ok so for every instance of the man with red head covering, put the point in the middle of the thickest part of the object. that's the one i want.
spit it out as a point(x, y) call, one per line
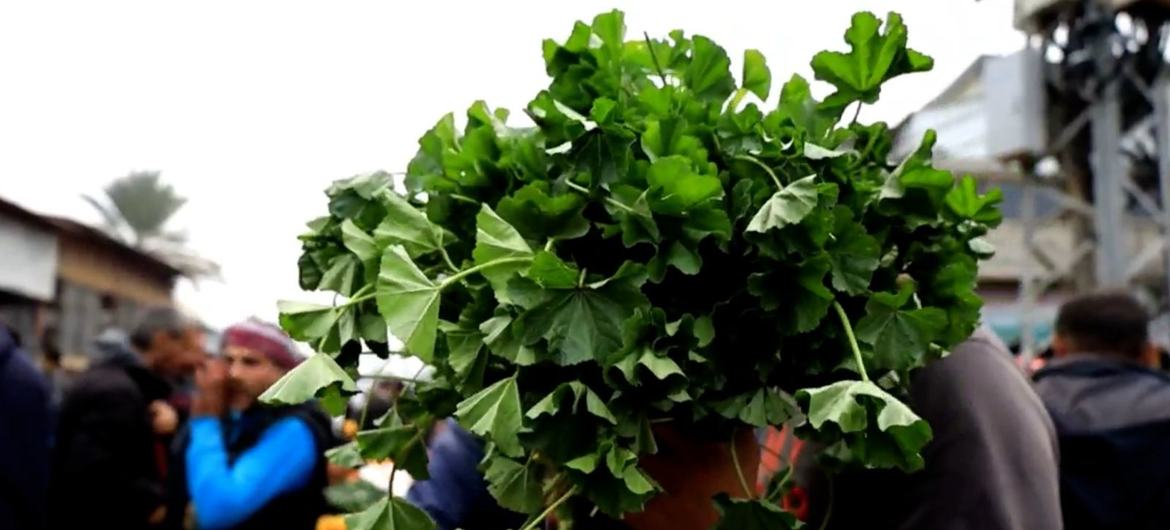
point(250, 465)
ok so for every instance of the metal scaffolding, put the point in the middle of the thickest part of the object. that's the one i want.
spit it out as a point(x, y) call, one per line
point(1107, 92)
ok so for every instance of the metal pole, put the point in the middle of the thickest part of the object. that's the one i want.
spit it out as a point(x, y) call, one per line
point(1108, 192)
point(1028, 274)
point(1161, 101)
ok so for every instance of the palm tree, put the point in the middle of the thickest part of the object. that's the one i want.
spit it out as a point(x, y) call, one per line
point(141, 204)
point(136, 208)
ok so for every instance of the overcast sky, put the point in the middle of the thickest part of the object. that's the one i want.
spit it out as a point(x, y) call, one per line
point(250, 108)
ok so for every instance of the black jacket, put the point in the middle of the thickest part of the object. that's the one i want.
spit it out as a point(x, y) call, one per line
point(24, 438)
point(991, 464)
point(106, 471)
point(1113, 420)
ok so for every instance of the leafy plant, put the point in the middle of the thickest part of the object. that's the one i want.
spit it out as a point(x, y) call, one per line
point(653, 251)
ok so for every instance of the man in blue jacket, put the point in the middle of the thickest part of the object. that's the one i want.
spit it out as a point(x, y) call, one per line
point(24, 438)
point(248, 465)
point(456, 494)
point(1111, 409)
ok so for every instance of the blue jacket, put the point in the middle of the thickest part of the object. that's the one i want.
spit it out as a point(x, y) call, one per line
point(456, 495)
point(24, 438)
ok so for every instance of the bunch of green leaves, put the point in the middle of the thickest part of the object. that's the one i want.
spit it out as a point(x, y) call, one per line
point(666, 248)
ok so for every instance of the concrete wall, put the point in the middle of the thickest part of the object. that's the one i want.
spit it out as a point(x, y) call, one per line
point(28, 259)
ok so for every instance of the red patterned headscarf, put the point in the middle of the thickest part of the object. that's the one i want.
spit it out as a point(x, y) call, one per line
point(265, 338)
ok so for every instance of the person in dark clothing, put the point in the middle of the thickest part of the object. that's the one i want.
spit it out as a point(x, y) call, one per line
point(991, 464)
point(456, 494)
point(1111, 408)
point(247, 465)
point(24, 438)
point(109, 461)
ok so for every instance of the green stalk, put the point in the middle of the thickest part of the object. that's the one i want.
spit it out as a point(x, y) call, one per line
point(738, 97)
point(852, 340)
point(609, 200)
point(756, 161)
point(739, 470)
point(454, 278)
point(543, 515)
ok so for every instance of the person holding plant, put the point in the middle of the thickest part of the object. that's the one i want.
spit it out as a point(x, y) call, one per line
point(247, 465)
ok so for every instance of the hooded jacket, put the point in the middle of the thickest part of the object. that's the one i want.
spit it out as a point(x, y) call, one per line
point(1113, 421)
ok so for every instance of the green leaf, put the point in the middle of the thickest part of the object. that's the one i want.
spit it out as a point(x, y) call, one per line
point(407, 226)
point(763, 408)
point(495, 239)
point(752, 514)
point(966, 202)
point(756, 76)
point(467, 356)
point(342, 275)
point(799, 108)
point(632, 210)
point(847, 409)
point(409, 301)
point(899, 337)
point(709, 74)
point(585, 323)
point(873, 59)
point(345, 456)
point(516, 487)
point(537, 215)
point(306, 322)
point(359, 242)
point(660, 367)
point(390, 513)
point(786, 207)
point(549, 272)
point(402, 444)
point(500, 339)
point(585, 463)
point(570, 397)
point(308, 380)
point(494, 413)
point(675, 188)
point(668, 137)
point(854, 255)
point(815, 152)
point(798, 293)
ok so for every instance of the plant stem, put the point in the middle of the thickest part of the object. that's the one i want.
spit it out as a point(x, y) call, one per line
point(609, 200)
point(446, 257)
point(390, 486)
point(358, 299)
point(738, 97)
point(739, 470)
point(462, 198)
point(756, 161)
point(852, 340)
point(543, 515)
point(654, 58)
point(856, 113)
point(454, 278)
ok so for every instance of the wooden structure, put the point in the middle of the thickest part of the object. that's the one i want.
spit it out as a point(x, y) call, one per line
point(55, 271)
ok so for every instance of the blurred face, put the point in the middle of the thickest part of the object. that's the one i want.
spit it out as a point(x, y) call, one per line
point(178, 354)
point(250, 373)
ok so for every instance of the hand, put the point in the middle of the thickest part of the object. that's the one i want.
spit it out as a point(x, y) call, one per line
point(158, 515)
point(163, 418)
point(211, 383)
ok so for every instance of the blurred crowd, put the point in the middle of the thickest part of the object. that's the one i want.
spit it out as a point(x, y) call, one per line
point(160, 434)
